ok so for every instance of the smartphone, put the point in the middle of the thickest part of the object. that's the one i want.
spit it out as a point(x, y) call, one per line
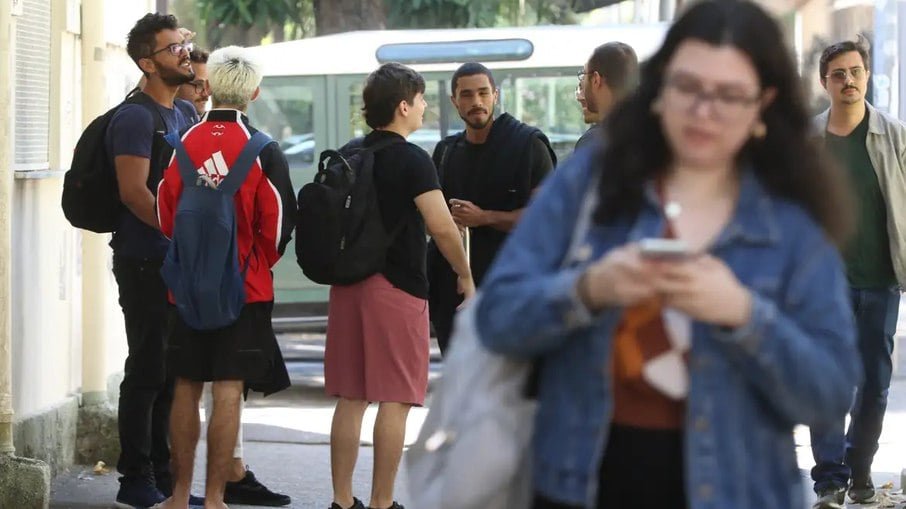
point(663, 249)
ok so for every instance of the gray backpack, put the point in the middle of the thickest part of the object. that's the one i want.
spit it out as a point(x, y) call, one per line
point(474, 448)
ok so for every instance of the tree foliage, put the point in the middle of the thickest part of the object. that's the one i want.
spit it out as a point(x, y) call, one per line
point(249, 21)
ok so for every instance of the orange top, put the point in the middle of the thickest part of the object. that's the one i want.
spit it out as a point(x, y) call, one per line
point(640, 337)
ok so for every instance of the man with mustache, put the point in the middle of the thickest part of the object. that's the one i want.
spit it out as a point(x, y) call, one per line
point(487, 173)
point(870, 146)
point(198, 90)
point(135, 143)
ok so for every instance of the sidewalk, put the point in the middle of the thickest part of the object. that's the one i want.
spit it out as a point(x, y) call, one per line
point(286, 445)
point(287, 448)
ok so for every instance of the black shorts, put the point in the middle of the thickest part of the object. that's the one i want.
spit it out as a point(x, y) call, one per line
point(246, 350)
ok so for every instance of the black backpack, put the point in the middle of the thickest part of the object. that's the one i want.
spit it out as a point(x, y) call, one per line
point(91, 198)
point(340, 235)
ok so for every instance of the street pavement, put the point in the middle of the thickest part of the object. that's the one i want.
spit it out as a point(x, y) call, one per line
point(286, 445)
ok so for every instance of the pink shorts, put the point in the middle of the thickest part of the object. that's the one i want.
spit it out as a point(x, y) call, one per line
point(377, 343)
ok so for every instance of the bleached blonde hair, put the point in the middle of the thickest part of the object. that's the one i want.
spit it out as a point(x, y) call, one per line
point(234, 75)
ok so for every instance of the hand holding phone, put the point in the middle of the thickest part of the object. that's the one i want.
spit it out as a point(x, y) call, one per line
point(657, 249)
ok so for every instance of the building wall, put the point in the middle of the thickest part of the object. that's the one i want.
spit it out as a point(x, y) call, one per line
point(47, 291)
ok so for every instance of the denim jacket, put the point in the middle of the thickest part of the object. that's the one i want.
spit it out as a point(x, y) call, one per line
point(795, 362)
point(886, 144)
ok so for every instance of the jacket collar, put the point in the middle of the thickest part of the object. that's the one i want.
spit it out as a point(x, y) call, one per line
point(753, 221)
point(875, 120)
point(224, 115)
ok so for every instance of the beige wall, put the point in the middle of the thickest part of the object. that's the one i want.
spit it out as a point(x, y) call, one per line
point(46, 250)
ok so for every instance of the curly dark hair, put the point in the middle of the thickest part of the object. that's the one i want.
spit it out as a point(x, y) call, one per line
point(199, 56)
point(385, 88)
point(142, 38)
point(789, 161)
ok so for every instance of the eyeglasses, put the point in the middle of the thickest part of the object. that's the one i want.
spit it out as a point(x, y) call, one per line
point(201, 86)
point(840, 75)
point(581, 75)
point(175, 49)
point(686, 94)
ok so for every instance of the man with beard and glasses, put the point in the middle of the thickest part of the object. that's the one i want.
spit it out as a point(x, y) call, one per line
point(487, 173)
point(136, 145)
point(609, 75)
point(198, 90)
point(869, 145)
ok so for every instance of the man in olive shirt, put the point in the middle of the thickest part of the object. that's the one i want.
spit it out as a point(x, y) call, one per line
point(867, 144)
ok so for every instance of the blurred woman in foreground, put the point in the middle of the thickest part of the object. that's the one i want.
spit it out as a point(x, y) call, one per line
point(673, 370)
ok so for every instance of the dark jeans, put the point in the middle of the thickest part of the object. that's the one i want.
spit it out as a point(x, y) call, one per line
point(839, 457)
point(146, 392)
point(641, 469)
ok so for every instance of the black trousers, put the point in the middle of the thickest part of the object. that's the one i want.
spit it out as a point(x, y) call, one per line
point(641, 469)
point(146, 393)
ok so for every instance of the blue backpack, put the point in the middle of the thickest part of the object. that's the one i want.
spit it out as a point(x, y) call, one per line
point(202, 264)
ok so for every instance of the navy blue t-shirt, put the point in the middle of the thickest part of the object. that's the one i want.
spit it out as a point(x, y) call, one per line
point(131, 132)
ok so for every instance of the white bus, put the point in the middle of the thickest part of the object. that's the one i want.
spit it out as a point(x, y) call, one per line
point(311, 97)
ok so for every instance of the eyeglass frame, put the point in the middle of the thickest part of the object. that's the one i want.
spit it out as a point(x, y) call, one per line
point(711, 97)
point(851, 72)
point(186, 46)
point(201, 85)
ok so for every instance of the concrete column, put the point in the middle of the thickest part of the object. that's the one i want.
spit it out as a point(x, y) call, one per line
point(6, 196)
point(95, 253)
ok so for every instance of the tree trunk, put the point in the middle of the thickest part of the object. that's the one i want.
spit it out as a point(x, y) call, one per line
point(334, 16)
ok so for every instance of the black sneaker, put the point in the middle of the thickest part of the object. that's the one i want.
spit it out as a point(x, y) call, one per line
point(137, 493)
point(248, 491)
point(357, 504)
point(831, 498)
point(394, 506)
point(164, 482)
point(862, 490)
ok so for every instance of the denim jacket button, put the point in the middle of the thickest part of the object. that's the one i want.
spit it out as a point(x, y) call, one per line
point(705, 491)
point(571, 319)
point(701, 424)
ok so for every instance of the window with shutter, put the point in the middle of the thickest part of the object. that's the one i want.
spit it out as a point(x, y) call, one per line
point(32, 86)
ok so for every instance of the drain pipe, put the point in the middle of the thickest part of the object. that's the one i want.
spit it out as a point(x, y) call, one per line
point(6, 195)
point(95, 252)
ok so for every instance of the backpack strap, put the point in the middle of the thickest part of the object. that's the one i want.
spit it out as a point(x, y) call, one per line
point(243, 164)
point(136, 96)
point(184, 162)
point(368, 177)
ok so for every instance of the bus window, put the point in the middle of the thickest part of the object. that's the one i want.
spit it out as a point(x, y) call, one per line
point(548, 103)
point(288, 111)
point(426, 137)
point(285, 110)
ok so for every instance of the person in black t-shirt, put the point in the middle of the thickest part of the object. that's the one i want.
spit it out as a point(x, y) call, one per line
point(377, 329)
point(136, 147)
point(488, 173)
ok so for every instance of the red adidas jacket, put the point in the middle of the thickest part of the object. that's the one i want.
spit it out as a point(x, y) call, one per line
point(265, 204)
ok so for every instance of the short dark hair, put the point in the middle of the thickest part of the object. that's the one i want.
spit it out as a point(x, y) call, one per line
point(470, 69)
point(618, 64)
point(385, 88)
point(199, 56)
point(835, 50)
point(142, 38)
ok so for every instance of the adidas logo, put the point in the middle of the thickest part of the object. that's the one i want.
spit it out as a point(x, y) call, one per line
point(214, 169)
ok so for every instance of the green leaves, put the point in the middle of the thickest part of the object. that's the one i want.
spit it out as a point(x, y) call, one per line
point(245, 13)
